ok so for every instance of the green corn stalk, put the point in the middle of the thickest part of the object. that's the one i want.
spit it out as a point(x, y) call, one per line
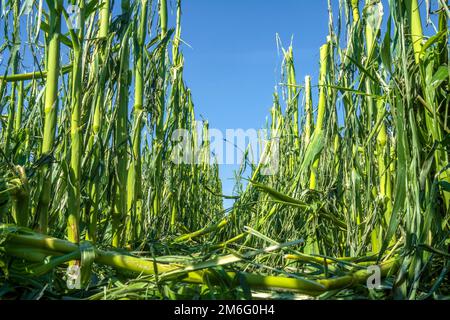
point(51, 108)
point(382, 147)
point(158, 142)
point(309, 122)
point(176, 101)
point(163, 17)
point(121, 138)
point(412, 9)
point(15, 65)
point(32, 75)
point(94, 141)
point(177, 38)
point(321, 109)
point(20, 106)
point(292, 93)
point(134, 199)
point(74, 185)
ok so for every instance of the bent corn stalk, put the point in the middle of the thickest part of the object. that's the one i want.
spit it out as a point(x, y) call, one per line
point(32, 242)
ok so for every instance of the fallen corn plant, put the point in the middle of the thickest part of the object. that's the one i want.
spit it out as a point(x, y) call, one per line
point(90, 101)
point(48, 253)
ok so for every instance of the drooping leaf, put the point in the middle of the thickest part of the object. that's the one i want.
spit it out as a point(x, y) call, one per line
point(386, 57)
point(314, 148)
point(439, 76)
point(278, 196)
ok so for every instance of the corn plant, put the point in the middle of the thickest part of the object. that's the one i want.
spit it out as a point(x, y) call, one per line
point(87, 116)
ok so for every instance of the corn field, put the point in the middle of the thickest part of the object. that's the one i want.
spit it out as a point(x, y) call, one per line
point(93, 207)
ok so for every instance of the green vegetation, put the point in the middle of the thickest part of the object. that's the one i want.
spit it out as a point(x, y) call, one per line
point(87, 178)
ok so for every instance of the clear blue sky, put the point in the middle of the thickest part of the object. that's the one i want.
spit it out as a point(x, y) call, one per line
point(233, 65)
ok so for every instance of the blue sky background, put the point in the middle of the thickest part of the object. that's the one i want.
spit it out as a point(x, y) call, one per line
point(234, 65)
